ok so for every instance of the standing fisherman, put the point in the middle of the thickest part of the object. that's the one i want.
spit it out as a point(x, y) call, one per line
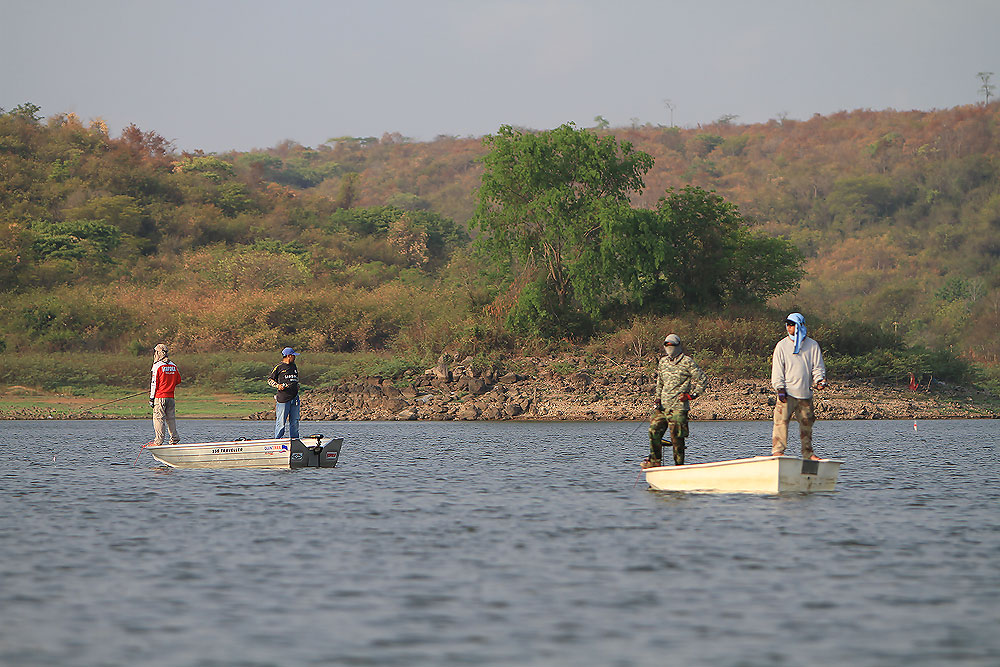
point(161, 396)
point(796, 367)
point(285, 378)
point(678, 380)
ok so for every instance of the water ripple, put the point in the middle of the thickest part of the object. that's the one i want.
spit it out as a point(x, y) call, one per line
point(511, 544)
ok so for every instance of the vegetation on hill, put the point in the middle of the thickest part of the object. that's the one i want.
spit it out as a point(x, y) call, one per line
point(555, 212)
point(363, 244)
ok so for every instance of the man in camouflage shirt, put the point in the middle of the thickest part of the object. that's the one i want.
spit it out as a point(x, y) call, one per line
point(678, 380)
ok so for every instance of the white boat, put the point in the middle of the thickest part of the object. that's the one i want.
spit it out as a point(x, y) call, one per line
point(760, 474)
point(313, 451)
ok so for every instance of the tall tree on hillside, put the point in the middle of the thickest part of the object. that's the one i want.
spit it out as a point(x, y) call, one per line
point(543, 196)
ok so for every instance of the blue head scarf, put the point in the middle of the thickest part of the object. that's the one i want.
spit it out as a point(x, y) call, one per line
point(800, 329)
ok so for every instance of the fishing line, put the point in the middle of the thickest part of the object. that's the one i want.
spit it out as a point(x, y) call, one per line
point(626, 439)
point(139, 454)
point(101, 405)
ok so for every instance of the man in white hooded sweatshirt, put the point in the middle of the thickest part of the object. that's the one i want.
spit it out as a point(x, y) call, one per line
point(796, 366)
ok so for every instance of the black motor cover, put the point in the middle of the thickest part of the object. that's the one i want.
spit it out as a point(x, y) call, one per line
point(302, 456)
point(330, 453)
point(308, 452)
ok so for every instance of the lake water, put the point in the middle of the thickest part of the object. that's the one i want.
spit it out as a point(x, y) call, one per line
point(443, 543)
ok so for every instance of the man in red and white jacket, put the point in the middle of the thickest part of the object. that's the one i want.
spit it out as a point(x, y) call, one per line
point(161, 395)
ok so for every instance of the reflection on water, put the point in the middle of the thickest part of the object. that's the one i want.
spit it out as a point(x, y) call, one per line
point(459, 543)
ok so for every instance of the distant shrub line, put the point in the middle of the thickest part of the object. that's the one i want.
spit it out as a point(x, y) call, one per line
point(735, 348)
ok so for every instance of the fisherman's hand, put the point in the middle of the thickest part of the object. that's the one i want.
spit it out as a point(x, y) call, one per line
point(782, 396)
point(658, 406)
point(150, 402)
point(821, 384)
point(684, 396)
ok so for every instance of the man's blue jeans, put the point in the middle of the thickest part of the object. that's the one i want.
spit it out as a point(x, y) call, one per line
point(288, 411)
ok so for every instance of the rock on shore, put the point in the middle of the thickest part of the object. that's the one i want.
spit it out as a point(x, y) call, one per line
point(619, 391)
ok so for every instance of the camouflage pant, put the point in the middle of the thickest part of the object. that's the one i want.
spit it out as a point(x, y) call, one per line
point(801, 410)
point(677, 421)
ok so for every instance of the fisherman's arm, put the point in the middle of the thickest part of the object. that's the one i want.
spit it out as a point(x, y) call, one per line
point(778, 372)
point(699, 381)
point(272, 379)
point(819, 369)
point(152, 385)
point(658, 404)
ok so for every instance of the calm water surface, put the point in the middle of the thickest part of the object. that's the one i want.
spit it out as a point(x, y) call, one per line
point(496, 543)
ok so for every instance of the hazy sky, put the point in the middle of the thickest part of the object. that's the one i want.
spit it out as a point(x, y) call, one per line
point(222, 74)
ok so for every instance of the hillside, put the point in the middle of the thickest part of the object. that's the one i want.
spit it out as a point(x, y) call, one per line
point(898, 213)
point(361, 243)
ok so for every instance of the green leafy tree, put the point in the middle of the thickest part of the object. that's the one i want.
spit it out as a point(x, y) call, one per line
point(27, 111)
point(75, 239)
point(209, 166)
point(543, 197)
point(701, 226)
point(233, 199)
point(763, 267)
point(693, 251)
point(441, 236)
point(703, 144)
point(120, 211)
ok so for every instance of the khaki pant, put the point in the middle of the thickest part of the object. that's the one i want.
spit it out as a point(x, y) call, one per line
point(801, 410)
point(164, 418)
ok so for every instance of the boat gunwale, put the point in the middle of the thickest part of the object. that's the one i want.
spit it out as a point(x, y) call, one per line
point(728, 462)
point(225, 443)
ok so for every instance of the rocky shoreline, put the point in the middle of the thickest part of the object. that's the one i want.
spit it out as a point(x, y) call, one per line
point(550, 389)
point(621, 392)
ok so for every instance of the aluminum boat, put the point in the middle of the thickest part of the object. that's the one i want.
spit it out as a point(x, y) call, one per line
point(313, 451)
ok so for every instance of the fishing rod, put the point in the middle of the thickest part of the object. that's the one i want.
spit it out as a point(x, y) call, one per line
point(629, 437)
point(94, 407)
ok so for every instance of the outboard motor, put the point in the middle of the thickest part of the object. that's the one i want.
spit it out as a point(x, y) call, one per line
point(310, 452)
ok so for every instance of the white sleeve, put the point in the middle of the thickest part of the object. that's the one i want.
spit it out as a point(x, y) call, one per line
point(777, 368)
point(819, 368)
point(152, 383)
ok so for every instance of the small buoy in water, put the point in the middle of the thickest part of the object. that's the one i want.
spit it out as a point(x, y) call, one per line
point(53, 457)
point(914, 426)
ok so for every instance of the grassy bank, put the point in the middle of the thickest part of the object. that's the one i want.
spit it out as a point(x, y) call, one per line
point(215, 385)
point(29, 403)
point(101, 374)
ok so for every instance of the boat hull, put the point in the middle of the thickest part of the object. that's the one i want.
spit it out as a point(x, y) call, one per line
point(313, 451)
point(761, 474)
